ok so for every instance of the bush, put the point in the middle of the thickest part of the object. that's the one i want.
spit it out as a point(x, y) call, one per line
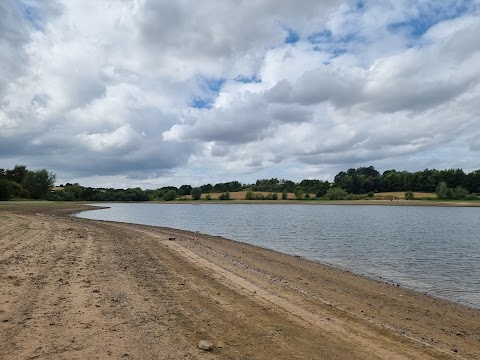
point(409, 195)
point(459, 193)
point(224, 196)
point(196, 193)
point(274, 196)
point(208, 197)
point(170, 195)
point(336, 193)
point(471, 197)
point(284, 195)
point(355, 197)
point(259, 196)
point(249, 195)
point(371, 194)
point(442, 190)
point(299, 194)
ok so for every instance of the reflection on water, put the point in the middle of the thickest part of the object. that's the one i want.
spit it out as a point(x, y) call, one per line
point(430, 249)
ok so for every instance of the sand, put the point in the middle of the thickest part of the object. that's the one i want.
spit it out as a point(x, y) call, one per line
point(82, 289)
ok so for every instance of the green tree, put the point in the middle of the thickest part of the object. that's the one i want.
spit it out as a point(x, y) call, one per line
point(38, 183)
point(336, 193)
point(4, 189)
point(196, 193)
point(170, 195)
point(17, 174)
point(442, 190)
point(299, 194)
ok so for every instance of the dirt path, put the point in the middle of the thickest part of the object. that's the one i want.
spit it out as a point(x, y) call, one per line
point(79, 289)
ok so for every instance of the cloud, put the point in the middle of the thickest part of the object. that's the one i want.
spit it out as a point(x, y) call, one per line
point(148, 92)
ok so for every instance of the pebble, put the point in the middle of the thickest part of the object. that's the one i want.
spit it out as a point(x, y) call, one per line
point(205, 345)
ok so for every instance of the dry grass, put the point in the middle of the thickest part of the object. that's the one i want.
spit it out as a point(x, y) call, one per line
point(401, 195)
point(240, 195)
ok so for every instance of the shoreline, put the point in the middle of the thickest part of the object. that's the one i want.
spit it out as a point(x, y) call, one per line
point(313, 309)
point(376, 278)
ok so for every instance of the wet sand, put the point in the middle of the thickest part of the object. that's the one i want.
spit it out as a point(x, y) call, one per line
point(82, 289)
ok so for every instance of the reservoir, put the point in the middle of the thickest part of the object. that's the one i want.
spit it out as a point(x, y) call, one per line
point(435, 250)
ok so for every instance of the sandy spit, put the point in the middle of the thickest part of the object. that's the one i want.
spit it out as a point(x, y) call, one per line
point(79, 289)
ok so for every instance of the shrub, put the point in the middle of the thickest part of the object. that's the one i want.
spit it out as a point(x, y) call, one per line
point(170, 195)
point(249, 195)
point(196, 193)
point(259, 196)
point(409, 195)
point(336, 193)
point(208, 197)
point(274, 196)
point(224, 196)
point(371, 194)
point(442, 190)
point(355, 197)
point(459, 193)
point(284, 195)
point(471, 197)
point(299, 194)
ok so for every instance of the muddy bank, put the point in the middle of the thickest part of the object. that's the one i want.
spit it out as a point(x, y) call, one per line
point(74, 288)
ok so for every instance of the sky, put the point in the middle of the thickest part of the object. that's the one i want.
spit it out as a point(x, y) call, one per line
point(151, 93)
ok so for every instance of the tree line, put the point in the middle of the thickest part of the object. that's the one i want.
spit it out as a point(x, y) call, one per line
point(20, 182)
point(351, 184)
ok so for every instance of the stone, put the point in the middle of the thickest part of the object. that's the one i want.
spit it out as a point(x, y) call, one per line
point(205, 345)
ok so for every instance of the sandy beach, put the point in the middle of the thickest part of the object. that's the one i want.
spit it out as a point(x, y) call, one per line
point(82, 289)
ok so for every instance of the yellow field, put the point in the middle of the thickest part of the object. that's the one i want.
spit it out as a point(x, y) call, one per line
point(401, 195)
point(240, 195)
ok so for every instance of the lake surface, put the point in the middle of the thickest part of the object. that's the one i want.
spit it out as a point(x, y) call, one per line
point(430, 249)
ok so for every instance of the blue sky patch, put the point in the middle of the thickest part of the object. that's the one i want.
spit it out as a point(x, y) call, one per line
point(199, 103)
point(292, 37)
point(209, 88)
point(431, 15)
point(30, 15)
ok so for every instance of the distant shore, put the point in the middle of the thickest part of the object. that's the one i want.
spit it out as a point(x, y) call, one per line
point(95, 289)
point(452, 203)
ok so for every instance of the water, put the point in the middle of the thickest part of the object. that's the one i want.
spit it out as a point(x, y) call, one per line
point(430, 249)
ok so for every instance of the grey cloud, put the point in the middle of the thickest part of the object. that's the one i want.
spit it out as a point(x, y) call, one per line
point(475, 143)
point(244, 122)
point(14, 35)
point(286, 113)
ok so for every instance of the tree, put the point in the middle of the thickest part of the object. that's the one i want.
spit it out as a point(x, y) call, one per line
point(17, 174)
point(170, 195)
point(38, 183)
point(442, 190)
point(187, 189)
point(196, 193)
point(336, 193)
point(284, 195)
point(4, 189)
